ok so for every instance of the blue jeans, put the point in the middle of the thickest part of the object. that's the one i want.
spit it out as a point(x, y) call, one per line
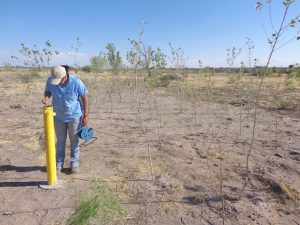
point(61, 129)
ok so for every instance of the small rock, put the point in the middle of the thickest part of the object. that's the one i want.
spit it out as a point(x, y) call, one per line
point(18, 106)
point(7, 213)
point(279, 155)
point(250, 196)
point(202, 156)
point(294, 152)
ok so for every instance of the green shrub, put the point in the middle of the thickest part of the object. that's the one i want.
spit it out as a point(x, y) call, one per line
point(293, 71)
point(293, 76)
point(289, 83)
point(157, 80)
point(287, 105)
point(166, 79)
point(86, 69)
point(98, 203)
point(98, 63)
point(152, 81)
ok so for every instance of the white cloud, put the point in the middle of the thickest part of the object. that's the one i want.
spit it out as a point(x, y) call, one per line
point(69, 58)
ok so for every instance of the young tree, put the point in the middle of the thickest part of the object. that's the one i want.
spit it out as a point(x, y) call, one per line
point(275, 44)
point(35, 57)
point(114, 58)
point(98, 63)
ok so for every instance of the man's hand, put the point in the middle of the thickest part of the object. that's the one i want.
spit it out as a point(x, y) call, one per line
point(45, 100)
point(85, 121)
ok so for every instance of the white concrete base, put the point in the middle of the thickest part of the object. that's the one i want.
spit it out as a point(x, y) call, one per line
point(46, 186)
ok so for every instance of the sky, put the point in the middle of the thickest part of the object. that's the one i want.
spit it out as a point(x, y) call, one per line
point(204, 29)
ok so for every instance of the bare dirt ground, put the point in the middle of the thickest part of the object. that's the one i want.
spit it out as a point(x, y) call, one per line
point(190, 146)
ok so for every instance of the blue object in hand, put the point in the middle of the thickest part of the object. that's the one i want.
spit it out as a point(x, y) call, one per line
point(85, 133)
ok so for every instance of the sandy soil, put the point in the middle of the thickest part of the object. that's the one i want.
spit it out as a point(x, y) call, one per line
point(190, 147)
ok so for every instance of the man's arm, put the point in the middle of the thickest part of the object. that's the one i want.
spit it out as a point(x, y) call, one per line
point(47, 96)
point(85, 102)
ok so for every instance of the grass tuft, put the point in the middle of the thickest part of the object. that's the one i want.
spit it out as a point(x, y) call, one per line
point(85, 211)
point(99, 203)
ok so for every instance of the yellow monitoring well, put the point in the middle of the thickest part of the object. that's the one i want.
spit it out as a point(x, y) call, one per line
point(50, 144)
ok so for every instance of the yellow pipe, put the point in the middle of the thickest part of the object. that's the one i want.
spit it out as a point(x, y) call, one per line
point(50, 144)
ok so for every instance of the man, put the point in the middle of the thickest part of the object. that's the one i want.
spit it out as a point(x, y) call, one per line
point(70, 103)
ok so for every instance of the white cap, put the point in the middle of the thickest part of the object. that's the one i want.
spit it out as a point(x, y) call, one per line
point(57, 74)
